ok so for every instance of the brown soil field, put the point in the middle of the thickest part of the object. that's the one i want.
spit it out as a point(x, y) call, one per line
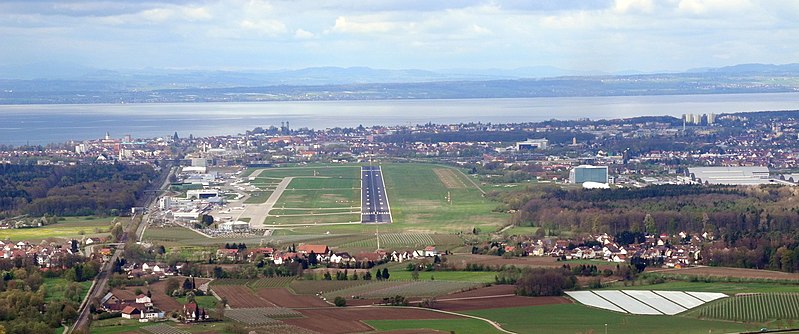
point(481, 303)
point(348, 320)
point(730, 272)
point(241, 297)
point(283, 297)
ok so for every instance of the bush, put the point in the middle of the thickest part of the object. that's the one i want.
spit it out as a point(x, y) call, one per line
point(340, 301)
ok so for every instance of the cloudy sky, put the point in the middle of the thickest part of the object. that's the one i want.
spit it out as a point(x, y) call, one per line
point(594, 35)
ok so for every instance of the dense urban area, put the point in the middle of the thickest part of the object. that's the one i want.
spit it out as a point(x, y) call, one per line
point(577, 226)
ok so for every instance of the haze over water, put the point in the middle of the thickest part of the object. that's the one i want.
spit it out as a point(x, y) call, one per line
point(43, 124)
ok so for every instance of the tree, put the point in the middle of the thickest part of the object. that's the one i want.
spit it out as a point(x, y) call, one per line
point(649, 224)
point(386, 275)
point(186, 284)
point(367, 276)
point(544, 282)
point(172, 284)
point(340, 301)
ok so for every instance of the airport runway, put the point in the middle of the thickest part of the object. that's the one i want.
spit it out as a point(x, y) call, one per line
point(374, 201)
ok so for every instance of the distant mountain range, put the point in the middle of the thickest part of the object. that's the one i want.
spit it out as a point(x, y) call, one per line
point(68, 83)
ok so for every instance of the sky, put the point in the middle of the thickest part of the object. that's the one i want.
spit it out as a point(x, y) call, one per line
point(589, 35)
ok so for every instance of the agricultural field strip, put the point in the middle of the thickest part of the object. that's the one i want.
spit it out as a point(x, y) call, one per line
point(395, 239)
point(163, 329)
point(626, 302)
point(591, 299)
point(269, 312)
point(404, 288)
point(656, 301)
point(757, 307)
point(707, 296)
point(681, 298)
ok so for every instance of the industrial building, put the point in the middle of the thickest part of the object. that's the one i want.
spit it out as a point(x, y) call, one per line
point(744, 176)
point(588, 173)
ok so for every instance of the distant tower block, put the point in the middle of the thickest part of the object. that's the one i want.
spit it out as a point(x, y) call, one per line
point(574, 140)
point(107, 136)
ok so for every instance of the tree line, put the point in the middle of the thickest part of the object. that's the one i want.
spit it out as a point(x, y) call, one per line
point(83, 189)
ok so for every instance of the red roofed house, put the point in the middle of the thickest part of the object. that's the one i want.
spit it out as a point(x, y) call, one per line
point(131, 312)
point(317, 249)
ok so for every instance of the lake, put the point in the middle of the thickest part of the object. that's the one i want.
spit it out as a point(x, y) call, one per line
point(55, 123)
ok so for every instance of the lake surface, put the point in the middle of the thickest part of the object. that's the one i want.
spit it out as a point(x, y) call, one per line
point(56, 123)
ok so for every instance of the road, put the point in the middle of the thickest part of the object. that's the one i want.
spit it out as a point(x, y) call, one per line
point(374, 201)
point(99, 287)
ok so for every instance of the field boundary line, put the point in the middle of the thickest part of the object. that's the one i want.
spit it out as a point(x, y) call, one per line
point(489, 321)
point(470, 180)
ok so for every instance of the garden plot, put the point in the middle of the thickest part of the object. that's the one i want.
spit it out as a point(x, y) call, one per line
point(262, 316)
point(163, 329)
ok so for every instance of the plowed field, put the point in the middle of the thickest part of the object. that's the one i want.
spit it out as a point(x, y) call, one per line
point(348, 320)
point(283, 297)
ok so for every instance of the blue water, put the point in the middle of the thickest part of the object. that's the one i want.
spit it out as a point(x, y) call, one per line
point(42, 124)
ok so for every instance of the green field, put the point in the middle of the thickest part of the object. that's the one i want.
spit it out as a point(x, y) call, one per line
point(751, 308)
point(463, 276)
point(56, 286)
point(728, 288)
point(459, 326)
point(418, 201)
point(69, 227)
point(575, 318)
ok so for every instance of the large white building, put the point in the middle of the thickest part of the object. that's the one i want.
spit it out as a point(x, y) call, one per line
point(530, 144)
point(588, 173)
point(732, 175)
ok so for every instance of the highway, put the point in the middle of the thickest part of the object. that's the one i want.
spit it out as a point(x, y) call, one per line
point(374, 201)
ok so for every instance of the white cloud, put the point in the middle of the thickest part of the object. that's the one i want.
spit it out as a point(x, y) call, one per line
point(362, 25)
point(303, 34)
point(627, 6)
point(264, 27)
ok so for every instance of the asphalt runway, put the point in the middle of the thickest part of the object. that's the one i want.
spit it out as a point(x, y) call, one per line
point(374, 202)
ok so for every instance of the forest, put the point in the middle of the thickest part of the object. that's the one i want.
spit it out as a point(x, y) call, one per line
point(753, 227)
point(83, 189)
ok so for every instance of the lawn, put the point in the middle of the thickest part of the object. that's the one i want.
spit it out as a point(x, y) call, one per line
point(325, 171)
point(575, 318)
point(319, 198)
point(69, 227)
point(116, 325)
point(208, 302)
point(723, 287)
point(258, 197)
point(464, 276)
point(173, 235)
point(459, 326)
